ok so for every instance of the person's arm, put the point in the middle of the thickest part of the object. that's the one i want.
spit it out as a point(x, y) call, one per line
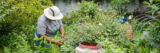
point(62, 32)
point(49, 40)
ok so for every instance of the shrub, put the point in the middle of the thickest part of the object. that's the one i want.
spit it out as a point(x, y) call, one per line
point(4, 11)
point(23, 13)
point(87, 10)
point(18, 23)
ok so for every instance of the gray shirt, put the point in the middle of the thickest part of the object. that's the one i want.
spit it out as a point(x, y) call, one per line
point(48, 27)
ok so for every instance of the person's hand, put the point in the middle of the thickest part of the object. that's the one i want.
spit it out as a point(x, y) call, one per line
point(59, 42)
point(64, 38)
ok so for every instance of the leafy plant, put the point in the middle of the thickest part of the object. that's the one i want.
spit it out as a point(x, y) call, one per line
point(86, 12)
point(18, 23)
point(88, 8)
point(89, 32)
point(154, 7)
point(146, 42)
point(119, 5)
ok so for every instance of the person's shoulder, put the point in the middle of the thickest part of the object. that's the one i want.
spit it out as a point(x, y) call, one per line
point(42, 18)
point(60, 20)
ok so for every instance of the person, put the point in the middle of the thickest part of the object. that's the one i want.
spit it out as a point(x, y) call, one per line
point(48, 25)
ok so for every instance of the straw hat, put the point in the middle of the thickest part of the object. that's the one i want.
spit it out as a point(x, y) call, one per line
point(53, 13)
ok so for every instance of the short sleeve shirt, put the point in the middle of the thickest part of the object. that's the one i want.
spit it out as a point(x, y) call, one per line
point(48, 27)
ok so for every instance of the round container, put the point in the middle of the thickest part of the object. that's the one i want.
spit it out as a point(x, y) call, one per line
point(85, 47)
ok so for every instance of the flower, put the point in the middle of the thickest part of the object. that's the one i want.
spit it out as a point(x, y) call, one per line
point(100, 24)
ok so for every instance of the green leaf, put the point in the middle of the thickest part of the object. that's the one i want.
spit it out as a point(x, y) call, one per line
point(147, 3)
point(6, 50)
point(157, 0)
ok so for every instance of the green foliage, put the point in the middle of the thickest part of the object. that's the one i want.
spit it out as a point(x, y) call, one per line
point(154, 7)
point(87, 24)
point(4, 10)
point(23, 13)
point(157, 0)
point(110, 45)
point(85, 28)
point(87, 8)
point(52, 49)
point(148, 42)
point(155, 31)
point(18, 23)
point(119, 5)
point(103, 30)
point(16, 43)
point(86, 12)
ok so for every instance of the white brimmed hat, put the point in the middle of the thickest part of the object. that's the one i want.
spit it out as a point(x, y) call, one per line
point(53, 13)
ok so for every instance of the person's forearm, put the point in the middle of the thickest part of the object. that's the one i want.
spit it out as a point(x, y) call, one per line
point(62, 30)
point(47, 38)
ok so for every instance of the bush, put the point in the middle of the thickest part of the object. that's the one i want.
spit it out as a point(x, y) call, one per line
point(4, 11)
point(86, 11)
point(148, 42)
point(18, 23)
